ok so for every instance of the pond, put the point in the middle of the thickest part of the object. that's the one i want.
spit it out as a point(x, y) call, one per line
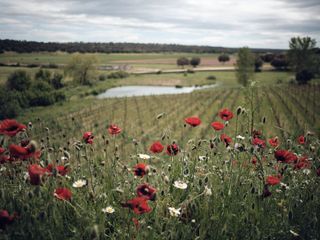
point(130, 91)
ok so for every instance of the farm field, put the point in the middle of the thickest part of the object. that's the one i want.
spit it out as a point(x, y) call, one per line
point(254, 174)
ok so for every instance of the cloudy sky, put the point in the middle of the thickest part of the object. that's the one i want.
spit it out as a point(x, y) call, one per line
point(229, 23)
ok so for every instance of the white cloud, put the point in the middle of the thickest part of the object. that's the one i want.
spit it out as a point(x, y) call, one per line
point(232, 23)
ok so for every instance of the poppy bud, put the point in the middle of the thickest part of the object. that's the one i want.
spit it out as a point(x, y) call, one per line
point(264, 120)
point(239, 110)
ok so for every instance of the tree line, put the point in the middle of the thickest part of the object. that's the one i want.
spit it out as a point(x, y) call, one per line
point(108, 47)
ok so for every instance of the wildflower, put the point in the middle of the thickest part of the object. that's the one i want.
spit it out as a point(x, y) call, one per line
point(141, 169)
point(294, 233)
point(225, 114)
point(284, 186)
point(217, 126)
point(306, 171)
point(139, 205)
point(180, 184)
point(225, 139)
point(11, 127)
point(156, 147)
point(21, 152)
point(88, 137)
point(145, 190)
point(254, 160)
point(207, 191)
point(301, 140)
point(2, 150)
point(240, 137)
point(114, 129)
point(274, 142)
point(63, 194)
point(302, 163)
point(193, 121)
point(6, 219)
point(285, 156)
point(144, 156)
point(259, 142)
point(108, 210)
point(273, 180)
point(174, 212)
point(35, 173)
point(172, 149)
point(62, 170)
point(79, 183)
point(256, 133)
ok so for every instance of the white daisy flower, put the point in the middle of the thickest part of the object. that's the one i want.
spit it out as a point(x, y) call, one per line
point(203, 158)
point(294, 233)
point(180, 184)
point(79, 183)
point(174, 212)
point(207, 191)
point(144, 156)
point(108, 210)
point(240, 137)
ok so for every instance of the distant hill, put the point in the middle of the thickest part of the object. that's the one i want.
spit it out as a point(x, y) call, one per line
point(110, 47)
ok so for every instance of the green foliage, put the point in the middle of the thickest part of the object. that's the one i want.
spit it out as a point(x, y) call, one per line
point(258, 63)
point(18, 80)
point(182, 61)
point(117, 75)
point(244, 66)
point(82, 68)
point(211, 77)
point(301, 57)
point(224, 58)
point(195, 61)
point(9, 104)
point(43, 75)
point(56, 81)
point(280, 62)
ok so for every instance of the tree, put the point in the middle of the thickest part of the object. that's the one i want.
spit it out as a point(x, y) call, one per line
point(182, 61)
point(82, 69)
point(301, 57)
point(244, 66)
point(280, 62)
point(224, 58)
point(268, 57)
point(258, 63)
point(195, 61)
point(18, 80)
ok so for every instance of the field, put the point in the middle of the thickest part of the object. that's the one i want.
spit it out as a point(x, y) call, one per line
point(210, 188)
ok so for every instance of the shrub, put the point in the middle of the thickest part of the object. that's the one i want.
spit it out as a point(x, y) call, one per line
point(102, 77)
point(56, 81)
point(18, 80)
point(304, 76)
point(118, 74)
point(211, 77)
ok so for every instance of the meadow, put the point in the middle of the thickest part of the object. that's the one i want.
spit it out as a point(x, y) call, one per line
point(249, 169)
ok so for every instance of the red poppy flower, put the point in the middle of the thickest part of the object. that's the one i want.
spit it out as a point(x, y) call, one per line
point(285, 156)
point(254, 160)
point(145, 190)
point(2, 150)
point(273, 180)
point(274, 142)
point(139, 205)
point(88, 137)
point(217, 126)
point(6, 219)
point(225, 114)
point(225, 139)
point(302, 163)
point(114, 129)
point(35, 173)
point(259, 142)
point(301, 140)
point(172, 149)
point(20, 152)
point(141, 169)
point(62, 170)
point(63, 194)
point(256, 133)
point(4, 159)
point(156, 147)
point(193, 121)
point(136, 223)
point(11, 127)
